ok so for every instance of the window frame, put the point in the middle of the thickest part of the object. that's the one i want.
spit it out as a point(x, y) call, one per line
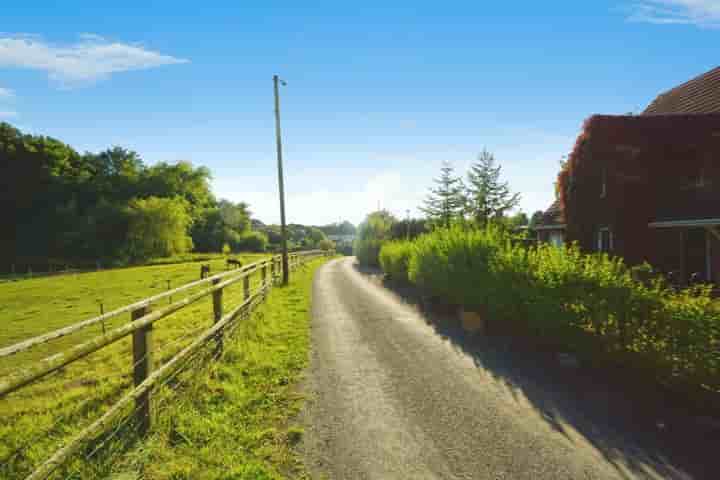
point(610, 243)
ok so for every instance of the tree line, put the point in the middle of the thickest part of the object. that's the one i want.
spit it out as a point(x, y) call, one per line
point(113, 208)
point(480, 199)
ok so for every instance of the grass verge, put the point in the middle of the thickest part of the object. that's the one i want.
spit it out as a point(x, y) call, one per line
point(233, 422)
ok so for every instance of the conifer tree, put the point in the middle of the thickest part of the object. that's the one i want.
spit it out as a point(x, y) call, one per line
point(446, 201)
point(488, 197)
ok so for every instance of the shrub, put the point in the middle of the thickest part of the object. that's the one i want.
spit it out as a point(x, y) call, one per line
point(591, 304)
point(252, 242)
point(394, 259)
point(372, 233)
point(367, 251)
point(326, 245)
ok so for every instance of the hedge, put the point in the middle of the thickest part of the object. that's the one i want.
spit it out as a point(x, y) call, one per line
point(587, 303)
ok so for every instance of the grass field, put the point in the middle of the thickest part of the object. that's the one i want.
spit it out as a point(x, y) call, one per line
point(38, 418)
point(30, 307)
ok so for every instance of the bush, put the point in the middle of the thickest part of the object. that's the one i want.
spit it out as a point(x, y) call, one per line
point(252, 242)
point(326, 245)
point(367, 250)
point(587, 303)
point(394, 259)
point(372, 233)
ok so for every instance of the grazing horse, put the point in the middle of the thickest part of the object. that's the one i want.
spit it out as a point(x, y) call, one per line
point(231, 262)
point(204, 270)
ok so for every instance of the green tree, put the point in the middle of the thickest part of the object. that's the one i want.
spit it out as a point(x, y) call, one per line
point(446, 201)
point(488, 197)
point(375, 230)
point(342, 228)
point(536, 218)
point(314, 237)
point(180, 180)
point(520, 219)
point(157, 227)
point(235, 215)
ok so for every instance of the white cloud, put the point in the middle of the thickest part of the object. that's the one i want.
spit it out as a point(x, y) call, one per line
point(7, 114)
point(6, 93)
point(91, 58)
point(703, 13)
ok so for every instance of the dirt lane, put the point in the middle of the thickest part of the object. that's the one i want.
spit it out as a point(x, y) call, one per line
point(389, 398)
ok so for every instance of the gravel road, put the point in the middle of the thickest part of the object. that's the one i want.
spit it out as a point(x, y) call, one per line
point(390, 397)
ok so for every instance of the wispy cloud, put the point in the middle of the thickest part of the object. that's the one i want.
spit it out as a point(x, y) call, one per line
point(90, 59)
point(6, 93)
point(703, 13)
point(7, 114)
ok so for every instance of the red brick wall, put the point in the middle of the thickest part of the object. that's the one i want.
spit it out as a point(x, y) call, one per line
point(644, 157)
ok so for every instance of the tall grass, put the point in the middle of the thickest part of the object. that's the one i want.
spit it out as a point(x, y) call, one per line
point(587, 303)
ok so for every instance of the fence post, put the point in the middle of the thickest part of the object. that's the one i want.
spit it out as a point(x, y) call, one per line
point(272, 270)
point(263, 274)
point(217, 316)
point(142, 367)
point(246, 286)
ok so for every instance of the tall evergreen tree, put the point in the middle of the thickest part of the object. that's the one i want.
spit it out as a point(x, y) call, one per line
point(446, 201)
point(488, 197)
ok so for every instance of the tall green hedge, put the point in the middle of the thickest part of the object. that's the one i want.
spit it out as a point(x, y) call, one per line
point(587, 303)
point(394, 259)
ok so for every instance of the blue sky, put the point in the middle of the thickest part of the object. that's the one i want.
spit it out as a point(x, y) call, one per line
point(378, 95)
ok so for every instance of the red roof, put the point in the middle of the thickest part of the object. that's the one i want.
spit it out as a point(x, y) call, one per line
point(699, 95)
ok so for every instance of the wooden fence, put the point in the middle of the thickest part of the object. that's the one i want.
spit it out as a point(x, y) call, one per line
point(145, 375)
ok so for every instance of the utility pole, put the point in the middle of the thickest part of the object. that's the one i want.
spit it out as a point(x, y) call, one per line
point(281, 182)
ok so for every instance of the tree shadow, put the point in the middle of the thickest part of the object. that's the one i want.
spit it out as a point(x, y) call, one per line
point(631, 422)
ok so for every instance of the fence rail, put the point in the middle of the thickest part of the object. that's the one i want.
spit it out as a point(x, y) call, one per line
point(62, 332)
point(143, 318)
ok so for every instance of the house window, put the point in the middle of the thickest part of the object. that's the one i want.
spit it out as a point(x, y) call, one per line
point(556, 239)
point(605, 240)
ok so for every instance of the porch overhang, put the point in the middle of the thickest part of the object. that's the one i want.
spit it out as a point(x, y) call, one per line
point(559, 226)
point(705, 222)
point(710, 224)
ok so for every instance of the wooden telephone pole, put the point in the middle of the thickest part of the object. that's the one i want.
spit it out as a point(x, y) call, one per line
point(281, 181)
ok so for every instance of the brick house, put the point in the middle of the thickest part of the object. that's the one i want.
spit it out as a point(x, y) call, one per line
point(647, 187)
point(551, 228)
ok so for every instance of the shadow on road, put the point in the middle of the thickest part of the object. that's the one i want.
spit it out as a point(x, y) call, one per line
point(630, 423)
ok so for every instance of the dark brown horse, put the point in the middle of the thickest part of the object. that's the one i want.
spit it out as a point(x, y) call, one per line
point(231, 262)
point(204, 270)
